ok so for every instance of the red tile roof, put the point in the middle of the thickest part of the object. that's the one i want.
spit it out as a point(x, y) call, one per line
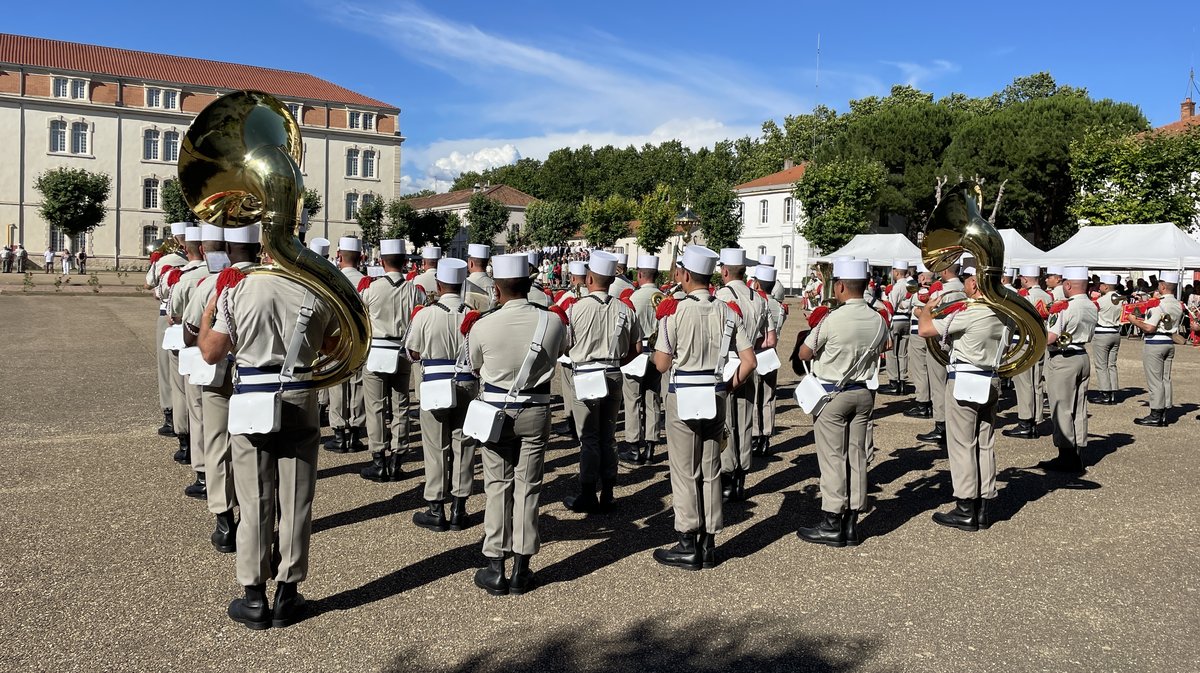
point(72, 56)
point(509, 196)
point(1181, 125)
point(785, 177)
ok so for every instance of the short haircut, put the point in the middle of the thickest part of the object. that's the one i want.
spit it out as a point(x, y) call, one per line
point(192, 247)
point(766, 285)
point(395, 261)
point(854, 285)
point(604, 282)
point(736, 270)
point(213, 246)
point(514, 286)
point(449, 288)
point(243, 252)
point(350, 256)
point(647, 273)
point(697, 278)
point(1171, 287)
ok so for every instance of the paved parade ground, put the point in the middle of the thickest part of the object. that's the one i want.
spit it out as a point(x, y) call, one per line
point(106, 566)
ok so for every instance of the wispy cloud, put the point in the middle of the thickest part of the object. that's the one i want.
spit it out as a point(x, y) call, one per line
point(919, 74)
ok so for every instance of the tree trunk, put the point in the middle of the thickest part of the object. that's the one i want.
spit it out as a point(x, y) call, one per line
point(996, 205)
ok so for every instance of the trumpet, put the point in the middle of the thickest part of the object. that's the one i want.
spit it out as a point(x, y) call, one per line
point(1063, 340)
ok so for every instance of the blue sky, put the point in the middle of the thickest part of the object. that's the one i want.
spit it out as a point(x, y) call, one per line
point(482, 83)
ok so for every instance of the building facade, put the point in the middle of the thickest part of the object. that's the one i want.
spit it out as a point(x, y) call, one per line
point(459, 202)
point(771, 215)
point(124, 113)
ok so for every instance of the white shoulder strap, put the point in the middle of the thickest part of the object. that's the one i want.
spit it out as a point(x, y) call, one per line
point(293, 351)
point(726, 341)
point(535, 347)
point(615, 342)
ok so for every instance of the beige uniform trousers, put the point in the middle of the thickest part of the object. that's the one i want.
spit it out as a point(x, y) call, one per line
point(449, 454)
point(351, 393)
point(568, 391)
point(918, 367)
point(840, 432)
point(937, 385)
point(218, 464)
point(512, 480)
point(596, 423)
point(179, 406)
point(1066, 385)
point(694, 452)
point(289, 458)
point(897, 357)
point(379, 393)
point(1105, 346)
point(764, 411)
point(1030, 393)
point(164, 364)
point(643, 405)
point(1156, 362)
point(739, 422)
point(971, 443)
point(195, 406)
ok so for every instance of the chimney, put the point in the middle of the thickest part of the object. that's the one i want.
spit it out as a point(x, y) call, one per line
point(788, 163)
point(1187, 109)
point(477, 188)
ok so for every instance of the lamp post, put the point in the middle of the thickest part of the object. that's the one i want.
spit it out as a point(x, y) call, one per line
point(686, 220)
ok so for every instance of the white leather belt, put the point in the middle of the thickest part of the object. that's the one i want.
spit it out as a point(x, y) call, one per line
point(596, 365)
point(969, 368)
point(1107, 329)
point(387, 343)
point(502, 398)
point(1159, 339)
point(258, 379)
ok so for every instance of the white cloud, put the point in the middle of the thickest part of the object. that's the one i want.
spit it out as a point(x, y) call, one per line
point(448, 167)
point(917, 74)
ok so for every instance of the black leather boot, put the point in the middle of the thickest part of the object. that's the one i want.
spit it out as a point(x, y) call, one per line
point(646, 454)
point(289, 605)
point(850, 528)
point(434, 518)
point(252, 610)
point(981, 514)
point(607, 501)
point(168, 427)
point(631, 454)
point(336, 443)
point(1022, 430)
point(522, 576)
point(936, 435)
point(323, 416)
point(198, 489)
point(1156, 419)
point(491, 579)
point(917, 410)
point(458, 514)
point(1067, 460)
point(224, 536)
point(708, 550)
point(961, 517)
point(352, 441)
point(393, 464)
point(733, 485)
point(184, 455)
point(585, 502)
point(1110, 397)
point(828, 531)
point(684, 554)
point(377, 471)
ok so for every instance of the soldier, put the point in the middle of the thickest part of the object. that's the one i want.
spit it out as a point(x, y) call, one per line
point(347, 411)
point(1028, 383)
point(155, 281)
point(844, 349)
point(735, 459)
point(390, 302)
point(1007, 278)
point(642, 390)
point(1054, 283)
point(436, 339)
point(696, 336)
point(538, 294)
point(478, 282)
point(212, 239)
point(918, 353)
point(766, 384)
point(514, 348)
point(427, 279)
point(242, 246)
point(1069, 328)
point(975, 334)
point(621, 281)
point(948, 290)
point(179, 402)
point(603, 335)
point(1106, 342)
point(321, 247)
point(777, 290)
point(900, 299)
point(1159, 329)
point(578, 290)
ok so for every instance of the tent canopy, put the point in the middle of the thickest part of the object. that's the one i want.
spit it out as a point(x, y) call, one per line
point(880, 249)
point(1016, 247)
point(1124, 246)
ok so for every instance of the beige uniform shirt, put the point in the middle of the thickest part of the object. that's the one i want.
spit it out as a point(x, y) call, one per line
point(262, 313)
point(537, 295)
point(352, 274)
point(692, 335)
point(752, 305)
point(427, 281)
point(593, 321)
point(1058, 293)
point(847, 343)
point(154, 276)
point(778, 292)
point(619, 285)
point(390, 302)
point(1168, 305)
point(499, 342)
point(775, 314)
point(480, 282)
point(643, 306)
point(182, 291)
point(901, 301)
point(435, 333)
point(1037, 294)
point(1111, 304)
point(575, 293)
point(1078, 319)
point(974, 335)
point(193, 313)
point(952, 290)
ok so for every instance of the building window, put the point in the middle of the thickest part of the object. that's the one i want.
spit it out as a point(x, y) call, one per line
point(366, 200)
point(762, 250)
point(171, 146)
point(153, 97)
point(351, 206)
point(788, 215)
point(787, 256)
point(351, 163)
point(368, 163)
point(149, 234)
point(170, 100)
point(355, 120)
point(368, 121)
point(362, 120)
point(79, 138)
point(165, 99)
point(79, 89)
point(150, 145)
point(58, 136)
point(762, 211)
point(294, 109)
point(150, 194)
point(75, 89)
point(60, 87)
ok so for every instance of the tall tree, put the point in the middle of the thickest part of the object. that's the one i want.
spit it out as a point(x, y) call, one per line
point(399, 217)
point(550, 222)
point(656, 216)
point(370, 221)
point(73, 199)
point(486, 217)
point(312, 202)
point(605, 221)
point(840, 198)
point(175, 208)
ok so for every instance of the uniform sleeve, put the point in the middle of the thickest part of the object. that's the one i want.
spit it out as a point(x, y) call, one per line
point(475, 350)
point(741, 339)
point(178, 299)
point(1154, 316)
point(1068, 322)
point(225, 300)
point(663, 344)
point(416, 341)
point(194, 310)
point(942, 324)
point(816, 340)
point(633, 331)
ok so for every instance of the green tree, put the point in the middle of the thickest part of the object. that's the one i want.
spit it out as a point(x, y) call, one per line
point(73, 199)
point(418, 194)
point(451, 226)
point(550, 222)
point(370, 221)
point(605, 221)
point(1125, 179)
point(430, 227)
point(656, 215)
point(840, 198)
point(487, 217)
point(312, 203)
point(175, 208)
point(399, 217)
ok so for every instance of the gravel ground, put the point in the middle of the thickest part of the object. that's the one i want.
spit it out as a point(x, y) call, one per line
point(107, 567)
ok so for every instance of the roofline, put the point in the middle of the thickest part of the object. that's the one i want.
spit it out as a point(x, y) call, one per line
point(783, 186)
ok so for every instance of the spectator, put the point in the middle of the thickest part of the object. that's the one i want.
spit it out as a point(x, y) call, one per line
point(22, 258)
point(82, 257)
point(66, 257)
point(48, 258)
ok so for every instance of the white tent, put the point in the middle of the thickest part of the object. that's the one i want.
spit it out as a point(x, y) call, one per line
point(880, 249)
point(1124, 246)
point(1016, 247)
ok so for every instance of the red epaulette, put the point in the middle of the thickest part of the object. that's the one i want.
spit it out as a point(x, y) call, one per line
point(562, 314)
point(735, 308)
point(173, 276)
point(229, 277)
point(936, 286)
point(468, 321)
point(154, 257)
point(666, 307)
point(365, 282)
point(568, 303)
point(785, 308)
point(626, 293)
point(415, 311)
point(627, 301)
point(411, 274)
point(558, 295)
point(954, 308)
point(1040, 306)
point(761, 293)
point(1059, 306)
point(548, 294)
point(664, 287)
point(1024, 292)
point(818, 314)
point(712, 290)
point(888, 289)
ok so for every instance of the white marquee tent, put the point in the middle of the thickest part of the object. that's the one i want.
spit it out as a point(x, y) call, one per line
point(880, 249)
point(1016, 247)
point(1124, 246)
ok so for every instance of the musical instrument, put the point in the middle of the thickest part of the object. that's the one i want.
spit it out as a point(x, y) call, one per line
point(1138, 309)
point(825, 271)
point(912, 286)
point(164, 246)
point(240, 164)
point(956, 227)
